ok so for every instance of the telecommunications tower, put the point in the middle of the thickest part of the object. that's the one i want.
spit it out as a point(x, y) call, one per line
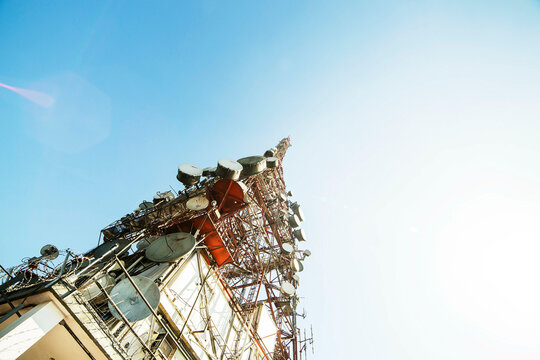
point(210, 272)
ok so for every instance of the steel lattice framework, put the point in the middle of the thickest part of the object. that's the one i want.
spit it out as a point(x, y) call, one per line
point(255, 235)
point(242, 236)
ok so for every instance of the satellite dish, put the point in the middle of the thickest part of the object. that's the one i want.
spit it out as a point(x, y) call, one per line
point(294, 221)
point(299, 234)
point(92, 291)
point(272, 162)
point(307, 253)
point(287, 288)
point(252, 165)
point(197, 203)
point(49, 252)
point(287, 248)
point(209, 171)
point(170, 247)
point(145, 205)
point(189, 174)
point(130, 303)
point(269, 153)
point(296, 265)
point(295, 207)
point(164, 196)
point(144, 243)
point(282, 196)
point(228, 169)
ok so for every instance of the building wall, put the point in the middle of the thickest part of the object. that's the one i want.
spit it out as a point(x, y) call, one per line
point(57, 344)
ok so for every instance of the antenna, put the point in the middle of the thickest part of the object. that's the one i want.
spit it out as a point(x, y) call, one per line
point(252, 165)
point(272, 162)
point(287, 288)
point(170, 247)
point(130, 303)
point(306, 341)
point(197, 203)
point(299, 234)
point(270, 153)
point(311, 341)
point(295, 207)
point(287, 248)
point(49, 252)
point(145, 242)
point(92, 290)
point(228, 169)
point(303, 314)
point(296, 265)
point(294, 221)
point(209, 172)
point(189, 174)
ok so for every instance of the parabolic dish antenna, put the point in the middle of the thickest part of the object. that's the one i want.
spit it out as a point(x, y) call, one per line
point(189, 174)
point(49, 252)
point(272, 162)
point(294, 221)
point(144, 243)
point(252, 165)
point(296, 265)
point(163, 196)
point(92, 291)
point(300, 234)
point(170, 247)
point(130, 303)
point(287, 248)
point(145, 205)
point(287, 288)
point(209, 171)
point(282, 196)
point(228, 169)
point(197, 203)
point(295, 207)
point(269, 153)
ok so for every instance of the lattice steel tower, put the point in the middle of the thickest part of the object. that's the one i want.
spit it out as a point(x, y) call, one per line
point(208, 273)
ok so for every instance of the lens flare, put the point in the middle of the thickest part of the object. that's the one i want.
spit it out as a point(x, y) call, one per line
point(36, 97)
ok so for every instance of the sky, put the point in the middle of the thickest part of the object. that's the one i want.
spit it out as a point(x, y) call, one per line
point(414, 129)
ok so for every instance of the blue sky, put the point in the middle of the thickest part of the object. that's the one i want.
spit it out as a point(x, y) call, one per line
point(415, 148)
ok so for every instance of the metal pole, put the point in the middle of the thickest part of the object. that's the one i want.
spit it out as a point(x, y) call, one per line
point(195, 302)
point(11, 277)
